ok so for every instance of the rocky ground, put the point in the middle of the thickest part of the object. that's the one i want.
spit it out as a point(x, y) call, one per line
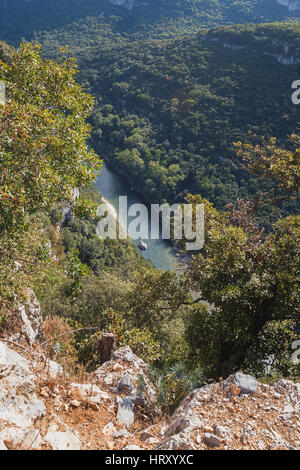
point(41, 408)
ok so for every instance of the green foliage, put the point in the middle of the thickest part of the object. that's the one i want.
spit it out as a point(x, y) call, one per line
point(158, 18)
point(279, 165)
point(251, 283)
point(168, 112)
point(171, 110)
point(43, 150)
point(6, 52)
point(75, 271)
point(173, 384)
point(271, 354)
point(3, 320)
point(113, 302)
point(80, 234)
point(43, 157)
point(141, 342)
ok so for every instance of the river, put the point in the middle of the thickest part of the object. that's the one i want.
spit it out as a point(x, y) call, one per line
point(111, 186)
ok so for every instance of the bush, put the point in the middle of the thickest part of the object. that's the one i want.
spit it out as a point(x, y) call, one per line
point(173, 384)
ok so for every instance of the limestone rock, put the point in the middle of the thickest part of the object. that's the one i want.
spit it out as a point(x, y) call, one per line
point(32, 440)
point(247, 433)
point(132, 447)
point(125, 363)
point(109, 429)
point(31, 317)
point(54, 369)
point(125, 384)
point(125, 354)
point(12, 436)
point(145, 435)
point(125, 413)
point(182, 424)
point(246, 383)
point(19, 404)
point(120, 434)
point(222, 431)
point(212, 440)
point(177, 442)
point(2, 445)
point(62, 440)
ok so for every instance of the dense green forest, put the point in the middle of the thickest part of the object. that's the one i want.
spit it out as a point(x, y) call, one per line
point(169, 112)
point(170, 108)
point(131, 18)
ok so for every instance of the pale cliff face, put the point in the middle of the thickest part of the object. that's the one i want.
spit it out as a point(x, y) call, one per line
point(292, 5)
point(128, 4)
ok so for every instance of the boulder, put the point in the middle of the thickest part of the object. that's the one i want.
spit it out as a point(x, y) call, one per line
point(32, 440)
point(54, 369)
point(125, 384)
point(31, 318)
point(142, 245)
point(177, 442)
point(12, 436)
point(211, 440)
point(90, 393)
point(247, 433)
point(182, 424)
point(222, 431)
point(246, 383)
point(59, 440)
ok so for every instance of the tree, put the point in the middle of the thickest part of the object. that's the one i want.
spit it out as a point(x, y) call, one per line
point(43, 155)
point(251, 282)
point(276, 165)
point(43, 133)
point(6, 52)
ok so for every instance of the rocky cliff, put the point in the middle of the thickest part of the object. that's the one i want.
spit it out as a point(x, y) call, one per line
point(41, 407)
point(273, 40)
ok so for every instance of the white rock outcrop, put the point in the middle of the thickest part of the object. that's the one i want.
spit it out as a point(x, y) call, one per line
point(62, 440)
point(19, 404)
point(31, 318)
point(127, 4)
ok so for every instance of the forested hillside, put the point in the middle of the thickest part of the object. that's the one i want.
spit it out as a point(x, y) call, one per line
point(169, 111)
point(133, 18)
point(203, 118)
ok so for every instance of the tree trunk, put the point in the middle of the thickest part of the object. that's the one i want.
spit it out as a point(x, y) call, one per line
point(107, 346)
